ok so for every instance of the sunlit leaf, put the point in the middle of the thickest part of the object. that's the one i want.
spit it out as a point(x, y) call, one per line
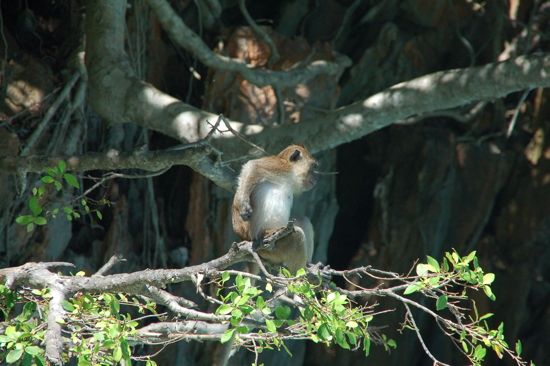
point(69, 178)
point(271, 326)
point(519, 348)
point(40, 221)
point(488, 278)
point(14, 355)
point(24, 220)
point(433, 262)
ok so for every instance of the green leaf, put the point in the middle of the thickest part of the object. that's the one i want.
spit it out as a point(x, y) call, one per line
point(33, 350)
point(323, 332)
point(441, 302)
point(40, 221)
point(40, 361)
point(480, 352)
point(421, 269)
point(82, 361)
point(486, 316)
point(126, 353)
point(392, 343)
point(67, 305)
point(433, 262)
point(50, 172)
point(227, 335)
point(470, 257)
point(62, 165)
point(28, 310)
point(14, 355)
point(24, 220)
point(352, 324)
point(282, 312)
point(489, 293)
point(340, 339)
point(58, 185)
point(413, 287)
point(69, 178)
point(35, 206)
point(225, 275)
point(239, 281)
point(224, 310)
point(488, 278)
point(366, 346)
point(271, 326)
point(47, 179)
point(519, 348)
point(117, 354)
point(242, 330)
point(236, 313)
point(99, 216)
point(445, 265)
point(30, 227)
point(260, 302)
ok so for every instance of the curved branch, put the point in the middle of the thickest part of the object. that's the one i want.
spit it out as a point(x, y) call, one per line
point(186, 38)
point(437, 91)
point(194, 157)
point(119, 96)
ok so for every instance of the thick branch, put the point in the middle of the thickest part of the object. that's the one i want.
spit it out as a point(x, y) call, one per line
point(119, 96)
point(186, 38)
point(437, 91)
point(194, 157)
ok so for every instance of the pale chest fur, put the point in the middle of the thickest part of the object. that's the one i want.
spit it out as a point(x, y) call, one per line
point(271, 204)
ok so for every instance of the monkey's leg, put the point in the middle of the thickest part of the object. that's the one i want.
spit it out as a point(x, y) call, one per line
point(295, 249)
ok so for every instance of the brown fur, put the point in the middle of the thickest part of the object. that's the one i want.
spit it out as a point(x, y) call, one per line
point(263, 201)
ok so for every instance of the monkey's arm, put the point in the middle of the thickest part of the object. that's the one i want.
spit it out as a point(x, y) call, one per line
point(253, 173)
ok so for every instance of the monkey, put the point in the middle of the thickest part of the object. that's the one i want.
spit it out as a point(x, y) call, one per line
point(263, 200)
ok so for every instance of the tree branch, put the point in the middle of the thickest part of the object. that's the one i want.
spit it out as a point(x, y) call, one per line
point(119, 96)
point(437, 91)
point(194, 157)
point(186, 38)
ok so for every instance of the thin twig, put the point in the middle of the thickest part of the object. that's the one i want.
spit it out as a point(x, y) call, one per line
point(50, 113)
point(115, 259)
point(516, 112)
point(240, 136)
point(419, 336)
point(347, 15)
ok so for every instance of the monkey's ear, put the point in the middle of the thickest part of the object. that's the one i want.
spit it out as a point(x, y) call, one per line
point(296, 155)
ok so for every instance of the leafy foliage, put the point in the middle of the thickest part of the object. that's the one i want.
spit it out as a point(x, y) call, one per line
point(97, 332)
point(38, 202)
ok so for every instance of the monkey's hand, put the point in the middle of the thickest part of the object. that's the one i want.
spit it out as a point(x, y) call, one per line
point(246, 213)
point(244, 208)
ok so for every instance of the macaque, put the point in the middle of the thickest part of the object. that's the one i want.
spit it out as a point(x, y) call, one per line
point(266, 189)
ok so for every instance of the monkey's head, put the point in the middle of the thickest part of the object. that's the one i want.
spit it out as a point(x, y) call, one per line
point(302, 165)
